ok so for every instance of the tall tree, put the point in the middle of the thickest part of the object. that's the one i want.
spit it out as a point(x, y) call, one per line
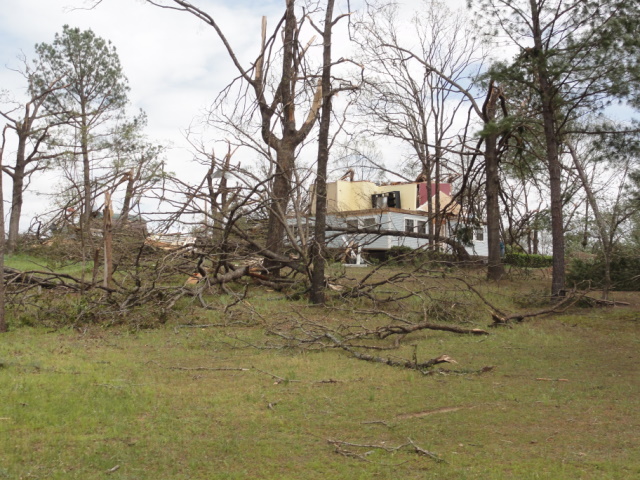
point(278, 95)
point(416, 93)
point(610, 173)
point(567, 58)
point(320, 190)
point(3, 319)
point(94, 93)
point(33, 127)
point(491, 136)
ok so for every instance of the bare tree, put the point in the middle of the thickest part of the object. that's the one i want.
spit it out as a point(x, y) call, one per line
point(3, 320)
point(417, 93)
point(607, 215)
point(408, 94)
point(320, 190)
point(277, 97)
point(33, 127)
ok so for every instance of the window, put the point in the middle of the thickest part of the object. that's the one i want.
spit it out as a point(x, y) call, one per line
point(394, 199)
point(384, 200)
point(352, 223)
point(369, 222)
point(480, 234)
point(409, 225)
point(379, 200)
point(422, 227)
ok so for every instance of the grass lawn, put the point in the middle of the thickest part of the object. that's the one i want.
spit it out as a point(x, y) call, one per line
point(562, 401)
point(24, 262)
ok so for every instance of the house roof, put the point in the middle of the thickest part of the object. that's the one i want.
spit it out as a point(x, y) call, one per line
point(446, 204)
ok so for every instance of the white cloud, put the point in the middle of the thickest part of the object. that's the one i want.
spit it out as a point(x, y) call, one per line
point(175, 63)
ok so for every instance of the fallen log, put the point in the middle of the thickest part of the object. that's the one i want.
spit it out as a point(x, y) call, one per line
point(413, 365)
point(384, 332)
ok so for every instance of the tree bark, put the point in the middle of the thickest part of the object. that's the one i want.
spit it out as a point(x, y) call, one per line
point(280, 195)
point(16, 198)
point(128, 195)
point(317, 247)
point(547, 98)
point(600, 222)
point(3, 320)
point(86, 175)
point(108, 242)
point(495, 269)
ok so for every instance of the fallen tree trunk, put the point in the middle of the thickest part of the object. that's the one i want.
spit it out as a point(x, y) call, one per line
point(501, 318)
point(384, 332)
point(48, 280)
point(414, 365)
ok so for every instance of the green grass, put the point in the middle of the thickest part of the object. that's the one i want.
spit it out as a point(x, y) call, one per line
point(25, 262)
point(74, 405)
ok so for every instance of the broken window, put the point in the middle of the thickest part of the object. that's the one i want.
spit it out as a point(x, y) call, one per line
point(369, 222)
point(384, 200)
point(409, 225)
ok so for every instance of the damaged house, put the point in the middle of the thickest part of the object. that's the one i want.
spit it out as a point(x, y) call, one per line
point(398, 206)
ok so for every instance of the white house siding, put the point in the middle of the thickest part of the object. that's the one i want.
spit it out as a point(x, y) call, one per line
point(388, 220)
point(367, 241)
point(397, 222)
point(480, 247)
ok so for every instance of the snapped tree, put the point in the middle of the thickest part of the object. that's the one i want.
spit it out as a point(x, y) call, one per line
point(33, 128)
point(277, 96)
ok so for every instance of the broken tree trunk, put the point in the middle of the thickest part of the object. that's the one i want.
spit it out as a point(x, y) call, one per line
point(107, 235)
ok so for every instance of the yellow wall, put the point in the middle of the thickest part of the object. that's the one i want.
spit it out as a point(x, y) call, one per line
point(345, 196)
point(408, 194)
point(355, 195)
point(332, 198)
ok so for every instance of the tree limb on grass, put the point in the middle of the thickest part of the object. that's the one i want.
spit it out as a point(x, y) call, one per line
point(386, 331)
point(501, 318)
point(413, 365)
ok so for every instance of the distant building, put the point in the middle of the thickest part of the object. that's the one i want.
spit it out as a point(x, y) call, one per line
point(401, 207)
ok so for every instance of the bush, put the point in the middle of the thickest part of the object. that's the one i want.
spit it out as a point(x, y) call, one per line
point(402, 255)
point(524, 260)
point(625, 272)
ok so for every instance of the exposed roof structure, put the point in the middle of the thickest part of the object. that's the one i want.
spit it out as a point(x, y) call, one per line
point(447, 204)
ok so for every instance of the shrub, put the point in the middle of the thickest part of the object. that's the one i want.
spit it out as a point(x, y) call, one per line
point(402, 255)
point(524, 260)
point(625, 272)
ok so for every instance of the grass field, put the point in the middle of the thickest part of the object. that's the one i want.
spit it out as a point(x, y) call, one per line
point(24, 262)
point(560, 401)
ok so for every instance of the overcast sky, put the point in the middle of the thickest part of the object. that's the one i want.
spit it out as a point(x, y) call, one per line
point(175, 64)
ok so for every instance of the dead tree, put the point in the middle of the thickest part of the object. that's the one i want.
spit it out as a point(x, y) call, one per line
point(32, 127)
point(320, 190)
point(411, 94)
point(3, 320)
point(279, 107)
